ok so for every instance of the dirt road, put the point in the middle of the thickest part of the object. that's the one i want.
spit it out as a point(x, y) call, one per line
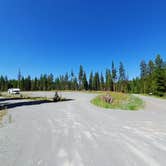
point(76, 133)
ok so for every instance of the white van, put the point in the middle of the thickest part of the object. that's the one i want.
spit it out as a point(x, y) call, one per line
point(14, 91)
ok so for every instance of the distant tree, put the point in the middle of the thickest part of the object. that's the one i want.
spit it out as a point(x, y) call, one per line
point(2, 83)
point(144, 72)
point(45, 82)
point(135, 85)
point(143, 68)
point(75, 83)
point(114, 76)
point(50, 83)
point(66, 81)
point(122, 77)
point(28, 83)
point(159, 63)
point(19, 78)
point(109, 82)
point(150, 68)
point(102, 84)
point(152, 80)
point(22, 83)
point(36, 84)
point(72, 79)
point(58, 84)
point(91, 81)
point(12, 83)
point(96, 81)
point(85, 82)
point(80, 77)
point(150, 77)
point(159, 77)
point(6, 83)
point(72, 74)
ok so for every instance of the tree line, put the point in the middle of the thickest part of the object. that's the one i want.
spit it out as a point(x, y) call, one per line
point(152, 80)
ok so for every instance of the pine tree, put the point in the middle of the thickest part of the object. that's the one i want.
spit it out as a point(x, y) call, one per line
point(122, 77)
point(85, 82)
point(19, 78)
point(6, 83)
point(72, 74)
point(96, 81)
point(143, 68)
point(58, 84)
point(2, 83)
point(50, 80)
point(72, 86)
point(149, 78)
point(109, 82)
point(102, 85)
point(159, 64)
point(28, 83)
point(135, 85)
point(150, 68)
point(22, 83)
point(159, 76)
point(75, 83)
point(36, 84)
point(114, 76)
point(66, 80)
point(91, 81)
point(80, 77)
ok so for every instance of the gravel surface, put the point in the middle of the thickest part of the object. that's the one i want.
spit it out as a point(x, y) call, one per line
point(76, 133)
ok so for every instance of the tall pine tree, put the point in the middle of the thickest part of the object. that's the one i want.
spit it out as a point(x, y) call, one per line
point(80, 77)
point(114, 76)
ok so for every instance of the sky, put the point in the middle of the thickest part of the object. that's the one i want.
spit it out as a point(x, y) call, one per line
point(55, 36)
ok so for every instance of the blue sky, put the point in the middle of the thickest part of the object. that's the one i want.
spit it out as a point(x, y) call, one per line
point(50, 36)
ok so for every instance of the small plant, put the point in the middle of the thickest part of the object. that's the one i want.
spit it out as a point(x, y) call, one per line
point(56, 97)
point(21, 96)
point(107, 98)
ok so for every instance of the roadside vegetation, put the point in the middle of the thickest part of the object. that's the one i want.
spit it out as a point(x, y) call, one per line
point(55, 98)
point(9, 96)
point(152, 80)
point(3, 112)
point(119, 101)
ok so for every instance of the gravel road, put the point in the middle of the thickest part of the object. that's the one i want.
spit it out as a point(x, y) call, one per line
point(76, 133)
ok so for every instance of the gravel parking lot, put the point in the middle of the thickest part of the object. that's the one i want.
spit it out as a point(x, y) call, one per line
point(77, 133)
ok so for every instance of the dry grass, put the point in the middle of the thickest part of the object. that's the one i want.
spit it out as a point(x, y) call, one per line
point(3, 113)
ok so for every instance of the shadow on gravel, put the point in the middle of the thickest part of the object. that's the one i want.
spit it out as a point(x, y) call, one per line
point(27, 103)
point(14, 98)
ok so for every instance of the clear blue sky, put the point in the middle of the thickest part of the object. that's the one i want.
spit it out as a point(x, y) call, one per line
point(55, 36)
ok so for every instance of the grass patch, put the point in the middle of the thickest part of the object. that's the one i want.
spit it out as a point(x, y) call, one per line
point(120, 101)
point(32, 98)
point(26, 97)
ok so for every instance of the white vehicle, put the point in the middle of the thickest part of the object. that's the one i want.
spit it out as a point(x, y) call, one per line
point(14, 91)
